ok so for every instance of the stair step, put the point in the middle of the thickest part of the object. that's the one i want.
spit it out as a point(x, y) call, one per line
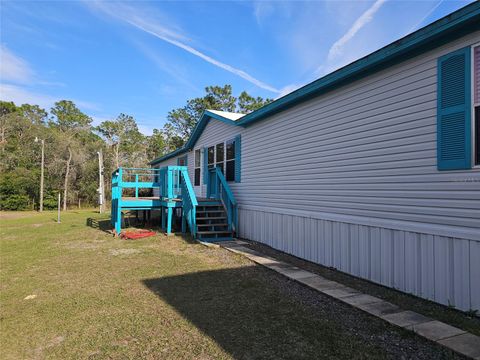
point(208, 205)
point(210, 211)
point(212, 218)
point(213, 232)
point(215, 224)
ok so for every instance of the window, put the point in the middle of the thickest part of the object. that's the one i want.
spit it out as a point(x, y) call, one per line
point(225, 156)
point(182, 161)
point(220, 156)
point(230, 161)
point(196, 181)
point(211, 157)
point(476, 104)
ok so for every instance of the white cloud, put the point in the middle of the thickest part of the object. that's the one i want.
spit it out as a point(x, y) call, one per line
point(20, 95)
point(14, 68)
point(262, 10)
point(337, 48)
point(147, 23)
point(145, 129)
point(170, 68)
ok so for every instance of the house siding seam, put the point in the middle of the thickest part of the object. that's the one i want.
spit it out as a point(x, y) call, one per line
point(366, 151)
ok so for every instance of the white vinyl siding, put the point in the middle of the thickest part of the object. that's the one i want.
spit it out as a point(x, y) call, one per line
point(349, 179)
point(366, 149)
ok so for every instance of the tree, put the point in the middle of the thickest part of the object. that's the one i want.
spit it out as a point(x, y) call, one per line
point(127, 142)
point(6, 111)
point(70, 121)
point(156, 144)
point(182, 121)
point(247, 104)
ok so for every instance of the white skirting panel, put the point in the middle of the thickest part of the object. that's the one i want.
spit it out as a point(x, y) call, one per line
point(438, 268)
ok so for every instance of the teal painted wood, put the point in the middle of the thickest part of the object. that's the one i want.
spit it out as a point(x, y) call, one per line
point(121, 179)
point(219, 189)
point(189, 203)
point(238, 158)
point(454, 111)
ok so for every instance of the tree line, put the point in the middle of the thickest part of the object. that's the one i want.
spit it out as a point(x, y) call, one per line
point(72, 143)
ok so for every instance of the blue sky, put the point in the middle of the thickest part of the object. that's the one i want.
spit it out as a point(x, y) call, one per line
point(146, 58)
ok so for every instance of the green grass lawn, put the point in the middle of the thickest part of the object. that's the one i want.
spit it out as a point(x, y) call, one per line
point(95, 296)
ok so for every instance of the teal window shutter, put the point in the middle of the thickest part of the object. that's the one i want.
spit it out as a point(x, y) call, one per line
point(205, 165)
point(454, 111)
point(238, 158)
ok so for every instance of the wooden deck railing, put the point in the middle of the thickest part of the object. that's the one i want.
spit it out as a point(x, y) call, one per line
point(219, 189)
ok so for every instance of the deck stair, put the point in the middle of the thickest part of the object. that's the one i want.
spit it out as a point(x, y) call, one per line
point(212, 221)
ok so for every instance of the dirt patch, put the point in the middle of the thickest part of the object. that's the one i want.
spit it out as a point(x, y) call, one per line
point(117, 252)
point(85, 245)
point(53, 342)
point(11, 215)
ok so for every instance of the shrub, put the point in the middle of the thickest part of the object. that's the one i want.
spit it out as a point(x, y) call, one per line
point(14, 202)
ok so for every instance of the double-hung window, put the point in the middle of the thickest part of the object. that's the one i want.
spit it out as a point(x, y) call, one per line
point(196, 181)
point(476, 103)
point(220, 156)
point(211, 157)
point(230, 161)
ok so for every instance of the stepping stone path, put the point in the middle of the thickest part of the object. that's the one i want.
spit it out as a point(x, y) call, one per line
point(446, 335)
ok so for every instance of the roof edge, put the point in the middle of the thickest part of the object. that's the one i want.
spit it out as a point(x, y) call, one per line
point(197, 131)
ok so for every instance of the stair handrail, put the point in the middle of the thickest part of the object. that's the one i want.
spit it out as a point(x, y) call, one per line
point(225, 194)
point(190, 202)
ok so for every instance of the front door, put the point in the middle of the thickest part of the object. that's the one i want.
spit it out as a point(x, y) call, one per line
point(212, 189)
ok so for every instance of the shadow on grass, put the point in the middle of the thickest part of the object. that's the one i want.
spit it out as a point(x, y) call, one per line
point(250, 317)
point(103, 225)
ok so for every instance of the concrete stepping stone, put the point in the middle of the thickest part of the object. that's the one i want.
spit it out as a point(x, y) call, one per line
point(466, 344)
point(406, 318)
point(291, 272)
point(341, 292)
point(319, 283)
point(380, 308)
point(436, 330)
point(361, 299)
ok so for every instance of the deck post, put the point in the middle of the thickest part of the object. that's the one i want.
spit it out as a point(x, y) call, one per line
point(118, 220)
point(136, 185)
point(169, 220)
point(162, 211)
point(184, 222)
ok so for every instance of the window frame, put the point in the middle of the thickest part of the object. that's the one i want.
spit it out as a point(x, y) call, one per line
point(199, 167)
point(474, 143)
point(232, 160)
point(211, 165)
point(224, 160)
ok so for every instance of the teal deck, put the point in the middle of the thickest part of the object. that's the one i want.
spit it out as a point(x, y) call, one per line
point(175, 191)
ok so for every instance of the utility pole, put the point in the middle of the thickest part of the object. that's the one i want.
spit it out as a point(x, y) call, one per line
point(41, 172)
point(101, 187)
point(58, 214)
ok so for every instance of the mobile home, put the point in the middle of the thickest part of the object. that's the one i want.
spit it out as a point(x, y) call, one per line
point(373, 169)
